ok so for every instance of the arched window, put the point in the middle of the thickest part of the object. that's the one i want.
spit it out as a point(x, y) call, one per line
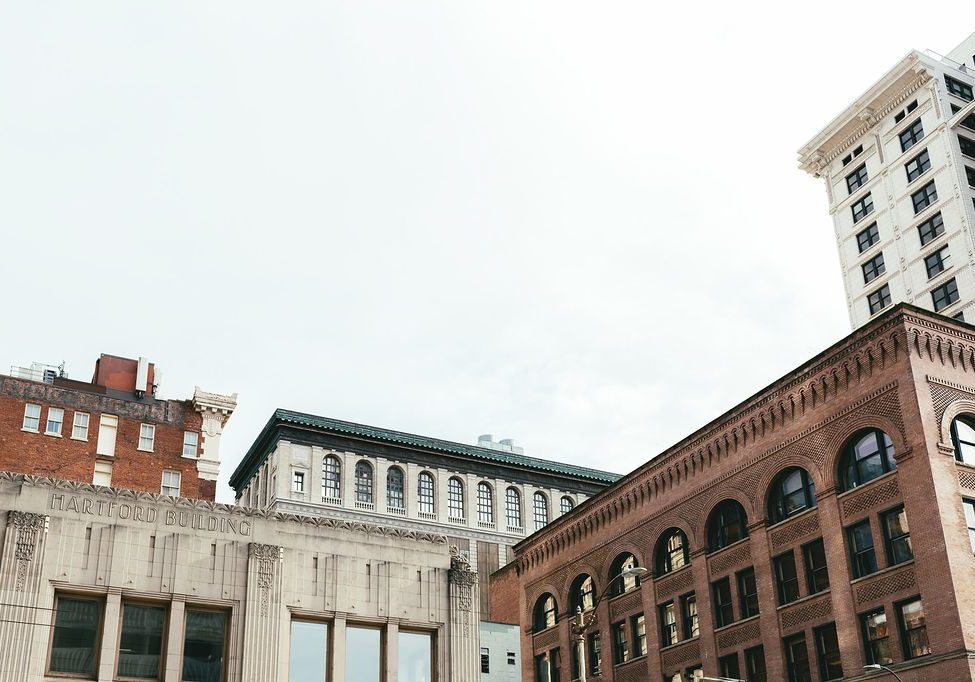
point(546, 612)
point(727, 525)
point(583, 593)
point(455, 498)
point(332, 478)
point(395, 489)
point(866, 456)
point(792, 492)
point(566, 504)
point(424, 493)
point(485, 503)
point(363, 482)
point(540, 504)
point(672, 551)
point(512, 507)
point(963, 434)
point(621, 585)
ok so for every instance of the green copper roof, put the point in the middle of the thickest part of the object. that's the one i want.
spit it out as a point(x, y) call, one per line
point(260, 448)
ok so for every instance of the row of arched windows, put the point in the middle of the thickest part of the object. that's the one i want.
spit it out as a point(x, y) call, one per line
point(426, 494)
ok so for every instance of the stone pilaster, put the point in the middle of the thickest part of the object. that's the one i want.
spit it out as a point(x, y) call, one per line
point(464, 621)
point(215, 410)
point(20, 588)
point(262, 612)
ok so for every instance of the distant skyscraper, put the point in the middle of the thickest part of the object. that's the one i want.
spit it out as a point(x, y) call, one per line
point(899, 166)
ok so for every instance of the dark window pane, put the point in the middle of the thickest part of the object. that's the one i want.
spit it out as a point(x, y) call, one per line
point(856, 179)
point(76, 623)
point(828, 653)
point(688, 605)
point(868, 237)
point(786, 578)
point(748, 593)
point(639, 627)
point(876, 637)
point(931, 229)
point(797, 659)
point(937, 262)
point(668, 624)
point(862, 208)
point(879, 299)
point(817, 571)
point(898, 536)
point(924, 197)
point(959, 89)
point(755, 664)
point(914, 632)
point(967, 146)
point(911, 136)
point(866, 456)
point(729, 666)
point(723, 610)
point(873, 268)
point(945, 295)
point(203, 647)
point(918, 166)
point(140, 644)
point(621, 652)
point(862, 555)
point(727, 525)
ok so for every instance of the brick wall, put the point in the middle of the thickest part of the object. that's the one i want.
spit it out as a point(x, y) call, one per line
point(68, 458)
point(504, 595)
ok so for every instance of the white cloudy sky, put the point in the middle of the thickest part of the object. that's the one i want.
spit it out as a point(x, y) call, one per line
point(577, 224)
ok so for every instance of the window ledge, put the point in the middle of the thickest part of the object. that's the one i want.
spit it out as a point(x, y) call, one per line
point(190, 456)
point(26, 430)
point(808, 597)
point(868, 484)
point(745, 620)
point(717, 552)
point(144, 450)
point(681, 642)
point(83, 440)
point(804, 512)
point(882, 571)
point(52, 434)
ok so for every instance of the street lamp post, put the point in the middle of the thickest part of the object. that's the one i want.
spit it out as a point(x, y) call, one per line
point(583, 622)
point(877, 666)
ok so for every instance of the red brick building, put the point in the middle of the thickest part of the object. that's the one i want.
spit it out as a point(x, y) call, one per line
point(824, 524)
point(112, 430)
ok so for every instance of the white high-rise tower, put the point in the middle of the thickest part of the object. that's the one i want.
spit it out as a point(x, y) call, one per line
point(899, 166)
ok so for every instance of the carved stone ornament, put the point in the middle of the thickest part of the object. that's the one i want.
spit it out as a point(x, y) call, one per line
point(463, 577)
point(28, 526)
point(267, 558)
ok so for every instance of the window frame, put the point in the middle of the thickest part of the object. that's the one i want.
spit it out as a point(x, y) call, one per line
point(621, 647)
point(857, 179)
point(724, 605)
point(812, 571)
point(668, 628)
point(582, 598)
point(227, 614)
point(145, 428)
point(364, 475)
point(930, 229)
point(859, 556)
point(485, 502)
point(99, 600)
point(23, 424)
point(782, 581)
point(179, 481)
point(793, 672)
point(959, 89)
point(823, 651)
point(948, 290)
point(968, 509)
point(540, 617)
point(619, 587)
point(925, 197)
point(917, 166)
point(873, 268)
point(163, 639)
point(195, 445)
point(667, 555)
point(331, 477)
point(727, 514)
point(878, 299)
point(690, 616)
point(426, 495)
point(540, 506)
point(395, 497)
point(745, 595)
point(862, 207)
point(48, 431)
point(752, 655)
point(869, 644)
point(957, 442)
point(75, 425)
point(777, 495)
point(853, 471)
point(868, 237)
point(911, 135)
point(512, 504)
point(936, 263)
point(298, 482)
point(905, 632)
point(639, 648)
point(890, 542)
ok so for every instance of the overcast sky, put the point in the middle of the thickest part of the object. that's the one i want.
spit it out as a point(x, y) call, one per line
point(577, 224)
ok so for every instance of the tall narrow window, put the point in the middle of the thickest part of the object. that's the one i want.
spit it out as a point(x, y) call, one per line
point(828, 653)
point(74, 645)
point(583, 593)
point(191, 441)
point(485, 503)
point(424, 493)
point(876, 637)
point(79, 430)
point(55, 419)
point(298, 482)
point(748, 593)
point(32, 417)
point(688, 608)
point(546, 613)
point(171, 483)
point(668, 624)
point(727, 525)
point(797, 659)
point(566, 505)
point(595, 653)
point(540, 503)
point(621, 652)
point(395, 489)
point(103, 473)
point(455, 499)
point(724, 613)
point(363, 482)
point(147, 437)
point(729, 666)
point(331, 478)
point(914, 631)
point(623, 562)
point(639, 635)
point(363, 654)
point(785, 577)
point(140, 642)
point(817, 572)
point(415, 657)
point(755, 664)
point(672, 551)
point(203, 646)
point(862, 556)
point(969, 506)
point(512, 507)
point(897, 536)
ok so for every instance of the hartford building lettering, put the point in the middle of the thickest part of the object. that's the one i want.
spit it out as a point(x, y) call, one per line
point(149, 515)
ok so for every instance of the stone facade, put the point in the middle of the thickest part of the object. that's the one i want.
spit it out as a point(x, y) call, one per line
point(263, 570)
point(908, 375)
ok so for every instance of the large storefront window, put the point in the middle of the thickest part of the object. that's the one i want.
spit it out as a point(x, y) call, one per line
point(203, 647)
point(140, 644)
point(363, 655)
point(415, 656)
point(75, 641)
point(309, 652)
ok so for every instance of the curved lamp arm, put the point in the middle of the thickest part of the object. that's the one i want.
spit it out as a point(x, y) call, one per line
point(877, 666)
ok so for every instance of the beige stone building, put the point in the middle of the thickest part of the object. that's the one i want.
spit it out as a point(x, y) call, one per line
point(107, 584)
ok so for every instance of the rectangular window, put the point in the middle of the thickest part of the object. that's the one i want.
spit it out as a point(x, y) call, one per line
point(937, 262)
point(911, 136)
point(191, 440)
point(55, 419)
point(639, 627)
point(147, 437)
point(755, 664)
point(141, 640)
point(748, 593)
point(415, 657)
point(945, 295)
point(621, 652)
point(931, 229)
point(32, 417)
point(688, 608)
point(917, 166)
point(74, 645)
point(970, 176)
point(797, 659)
point(595, 654)
point(79, 429)
point(868, 237)
point(876, 637)
point(959, 89)
point(879, 299)
point(924, 197)
point(107, 427)
point(856, 179)
point(914, 630)
point(298, 482)
point(862, 208)
point(729, 666)
point(170, 483)
point(103, 473)
point(668, 624)
point(852, 155)
point(967, 146)
point(786, 579)
point(969, 506)
point(309, 651)
point(204, 646)
point(828, 653)
point(511, 657)
point(695, 674)
point(485, 660)
point(724, 613)
point(873, 268)
point(363, 654)
point(817, 572)
point(862, 556)
point(968, 122)
point(897, 536)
